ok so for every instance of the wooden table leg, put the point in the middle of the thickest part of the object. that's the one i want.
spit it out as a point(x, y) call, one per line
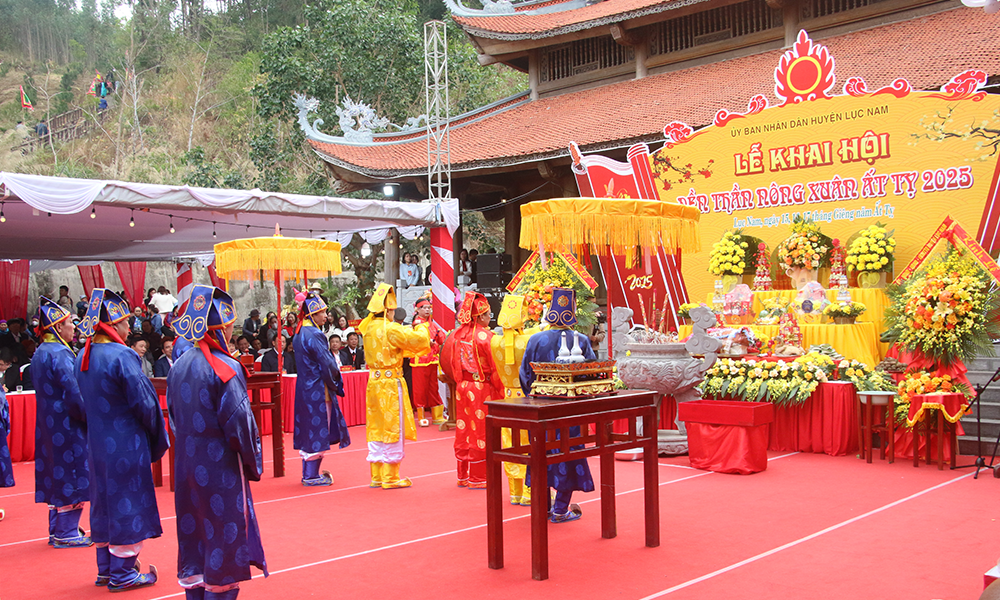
point(277, 430)
point(539, 507)
point(953, 439)
point(861, 430)
point(940, 432)
point(869, 444)
point(494, 506)
point(916, 442)
point(609, 527)
point(890, 429)
point(651, 486)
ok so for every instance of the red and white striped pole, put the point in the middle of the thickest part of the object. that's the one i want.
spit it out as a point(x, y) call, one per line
point(185, 283)
point(443, 278)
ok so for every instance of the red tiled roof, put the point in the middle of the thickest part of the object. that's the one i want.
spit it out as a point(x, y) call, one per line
point(520, 25)
point(927, 52)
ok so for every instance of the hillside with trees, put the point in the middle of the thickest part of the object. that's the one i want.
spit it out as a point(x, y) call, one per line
point(203, 96)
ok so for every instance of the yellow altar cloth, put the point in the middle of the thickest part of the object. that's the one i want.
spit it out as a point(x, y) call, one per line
point(874, 300)
point(859, 341)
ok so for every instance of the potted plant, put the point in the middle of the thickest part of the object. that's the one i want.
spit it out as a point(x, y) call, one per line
point(844, 313)
point(731, 257)
point(870, 255)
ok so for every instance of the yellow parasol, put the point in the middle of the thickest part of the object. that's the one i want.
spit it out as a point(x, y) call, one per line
point(605, 226)
point(269, 256)
point(608, 225)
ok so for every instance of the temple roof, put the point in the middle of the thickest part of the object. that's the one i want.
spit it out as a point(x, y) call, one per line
point(926, 51)
point(556, 18)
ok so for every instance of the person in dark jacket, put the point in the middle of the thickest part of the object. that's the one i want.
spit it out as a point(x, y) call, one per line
point(352, 355)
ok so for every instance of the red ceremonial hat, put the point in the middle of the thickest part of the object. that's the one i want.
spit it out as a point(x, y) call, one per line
point(473, 305)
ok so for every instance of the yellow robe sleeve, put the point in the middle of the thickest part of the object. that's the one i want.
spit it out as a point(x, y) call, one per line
point(414, 342)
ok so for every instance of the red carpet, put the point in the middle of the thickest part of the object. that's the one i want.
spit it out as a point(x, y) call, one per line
point(810, 527)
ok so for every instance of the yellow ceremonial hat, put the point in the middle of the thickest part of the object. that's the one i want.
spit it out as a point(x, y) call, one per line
point(512, 312)
point(511, 318)
point(383, 299)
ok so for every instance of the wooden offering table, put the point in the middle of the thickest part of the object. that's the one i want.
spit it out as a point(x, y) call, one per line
point(542, 418)
point(255, 383)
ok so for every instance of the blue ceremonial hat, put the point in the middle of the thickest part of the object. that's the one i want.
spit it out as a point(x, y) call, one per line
point(105, 307)
point(50, 313)
point(208, 308)
point(562, 310)
point(313, 304)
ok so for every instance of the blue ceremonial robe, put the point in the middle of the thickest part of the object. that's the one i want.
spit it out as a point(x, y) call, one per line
point(573, 475)
point(6, 468)
point(61, 471)
point(181, 346)
point(317, 378)
point(218, 454)
point(125, 434)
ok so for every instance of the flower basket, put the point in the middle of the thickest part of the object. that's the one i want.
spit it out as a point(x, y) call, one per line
point(845, 320)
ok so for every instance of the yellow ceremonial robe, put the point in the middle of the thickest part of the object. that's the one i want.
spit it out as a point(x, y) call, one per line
point(386, 344)
point(509, 375)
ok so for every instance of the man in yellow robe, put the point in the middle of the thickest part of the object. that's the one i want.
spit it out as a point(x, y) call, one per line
point(508, 350)
point(389, 417)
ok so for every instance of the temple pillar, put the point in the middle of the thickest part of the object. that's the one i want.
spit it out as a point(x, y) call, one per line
point(392, 257)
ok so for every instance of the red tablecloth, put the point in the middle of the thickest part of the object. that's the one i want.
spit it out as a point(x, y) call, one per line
point(826, 423)
point(22, 426)
point(727, 448)
point(352, 404)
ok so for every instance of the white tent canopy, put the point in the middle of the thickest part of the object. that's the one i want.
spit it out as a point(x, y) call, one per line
point(51, 218)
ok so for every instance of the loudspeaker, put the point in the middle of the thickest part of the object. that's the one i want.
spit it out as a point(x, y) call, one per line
point(492, 263)
point(495, 298)
point(492, 281)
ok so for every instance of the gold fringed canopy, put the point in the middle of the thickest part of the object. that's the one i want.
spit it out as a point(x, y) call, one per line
point(603, 225)
point(249, 258)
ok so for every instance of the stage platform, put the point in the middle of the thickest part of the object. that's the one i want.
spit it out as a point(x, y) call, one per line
point(810, 526)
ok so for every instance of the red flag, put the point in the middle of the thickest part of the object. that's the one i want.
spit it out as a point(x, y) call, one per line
point(25, 102)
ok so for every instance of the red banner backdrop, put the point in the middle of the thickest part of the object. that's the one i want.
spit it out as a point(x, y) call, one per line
point(133, 276)
point(14, 289)
point(657, 278)
point(92, 277)
point(216, 280)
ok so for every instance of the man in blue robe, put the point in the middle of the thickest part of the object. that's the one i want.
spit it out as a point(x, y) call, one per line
point(219, 454)
point(560, 343)
point(125, 434)
point(6, 468)
point(62, 478)
point(318, 419)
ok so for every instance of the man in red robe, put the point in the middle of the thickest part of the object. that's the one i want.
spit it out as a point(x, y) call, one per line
point(425, 368)
point(477, 382)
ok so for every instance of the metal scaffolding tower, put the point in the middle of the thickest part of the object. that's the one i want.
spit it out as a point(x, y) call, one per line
point(436, 95)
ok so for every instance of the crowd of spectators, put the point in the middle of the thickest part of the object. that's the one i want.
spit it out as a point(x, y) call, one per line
point(152, 339)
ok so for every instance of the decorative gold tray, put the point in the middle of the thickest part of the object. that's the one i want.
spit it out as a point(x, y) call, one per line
point(570, 381)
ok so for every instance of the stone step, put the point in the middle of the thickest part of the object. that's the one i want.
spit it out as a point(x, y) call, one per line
point(990, 427)
point(987, 408)
point(968, 446)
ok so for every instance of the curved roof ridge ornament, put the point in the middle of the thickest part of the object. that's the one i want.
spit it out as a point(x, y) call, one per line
point(356, 119)
point(490, 7)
